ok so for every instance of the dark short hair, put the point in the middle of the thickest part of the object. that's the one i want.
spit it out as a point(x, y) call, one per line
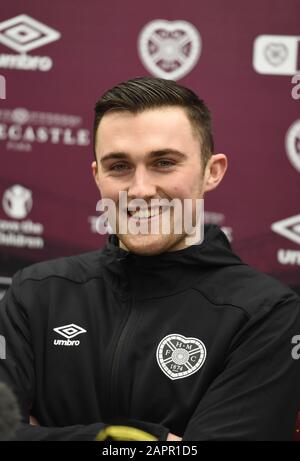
point(145, 93)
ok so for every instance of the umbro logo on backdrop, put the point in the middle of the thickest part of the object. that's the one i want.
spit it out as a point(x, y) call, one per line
point(68, 331)
point(180, 357)
point(290, 229)
point(23, 33)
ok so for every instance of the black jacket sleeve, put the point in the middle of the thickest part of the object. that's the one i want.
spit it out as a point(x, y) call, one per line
point(256, 395)
point(17, 371)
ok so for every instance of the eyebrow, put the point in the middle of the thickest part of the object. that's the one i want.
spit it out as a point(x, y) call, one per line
point(152, 155)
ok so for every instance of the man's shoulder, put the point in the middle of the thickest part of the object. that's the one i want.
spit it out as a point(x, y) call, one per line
point(79, 268)
point(246, 288)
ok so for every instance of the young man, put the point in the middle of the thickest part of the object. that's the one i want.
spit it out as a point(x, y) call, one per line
point(180, 339)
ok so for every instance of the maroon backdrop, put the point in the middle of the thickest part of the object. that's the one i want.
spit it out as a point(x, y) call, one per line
point(57, 59)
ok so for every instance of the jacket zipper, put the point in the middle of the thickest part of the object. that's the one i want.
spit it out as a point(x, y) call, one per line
point(114, 395)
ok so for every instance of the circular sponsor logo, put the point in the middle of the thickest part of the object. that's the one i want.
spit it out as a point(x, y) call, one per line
point(276, 53)
point(180, 357)
point(20, 115)
point(169, 49)
point(292, 144)
point(17, 202)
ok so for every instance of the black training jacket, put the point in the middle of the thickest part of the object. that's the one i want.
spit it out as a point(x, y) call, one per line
point(192, 342)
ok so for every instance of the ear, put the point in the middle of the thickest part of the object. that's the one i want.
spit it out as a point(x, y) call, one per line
point(214, 171)
point(95, 172)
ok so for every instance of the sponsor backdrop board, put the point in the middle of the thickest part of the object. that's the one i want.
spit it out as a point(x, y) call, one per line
point(57, 58)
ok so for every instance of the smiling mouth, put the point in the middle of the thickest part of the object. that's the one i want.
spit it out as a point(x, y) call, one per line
point(146, 214)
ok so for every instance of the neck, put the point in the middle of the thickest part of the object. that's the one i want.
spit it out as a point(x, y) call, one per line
point(185, 242)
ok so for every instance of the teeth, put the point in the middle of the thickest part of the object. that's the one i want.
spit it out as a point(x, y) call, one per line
point(142, 214)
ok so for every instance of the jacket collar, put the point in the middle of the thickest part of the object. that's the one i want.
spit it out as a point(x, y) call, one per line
point(167, 273)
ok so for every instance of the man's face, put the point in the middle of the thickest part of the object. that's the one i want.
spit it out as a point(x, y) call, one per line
point(159, 157)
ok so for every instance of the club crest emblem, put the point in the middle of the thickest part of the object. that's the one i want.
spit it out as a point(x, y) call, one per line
point(276, 53)
point(169, 49)
point(292, 144)
point(180, 357)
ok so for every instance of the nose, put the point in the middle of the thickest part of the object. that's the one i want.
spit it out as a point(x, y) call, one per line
point(141, 185)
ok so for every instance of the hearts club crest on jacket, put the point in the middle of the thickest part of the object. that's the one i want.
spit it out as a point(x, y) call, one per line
point(180, 357)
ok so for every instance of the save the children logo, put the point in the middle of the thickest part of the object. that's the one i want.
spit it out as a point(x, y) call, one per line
point(169, 49)
point(180, 357)
point(19, 231)
point(22, 34)
point(17, 201)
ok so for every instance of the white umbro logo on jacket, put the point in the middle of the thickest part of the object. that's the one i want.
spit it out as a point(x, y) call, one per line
point(69, 332)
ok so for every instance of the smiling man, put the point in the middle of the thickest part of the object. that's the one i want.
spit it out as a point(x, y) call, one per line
point(159, 335)
point(154, 154)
